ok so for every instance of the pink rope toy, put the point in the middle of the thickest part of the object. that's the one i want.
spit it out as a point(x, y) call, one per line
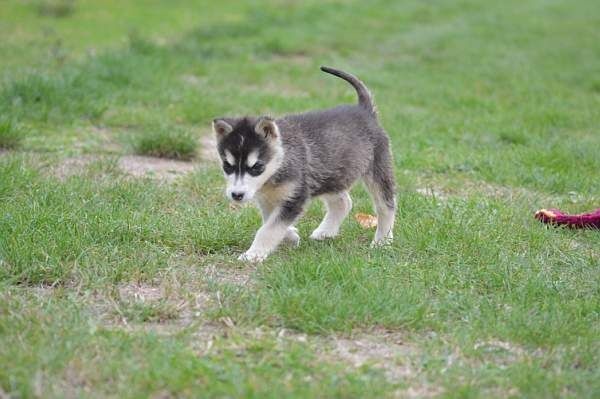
point(580, 221)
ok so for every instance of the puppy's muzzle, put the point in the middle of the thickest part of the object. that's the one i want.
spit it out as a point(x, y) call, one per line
point(237, 196)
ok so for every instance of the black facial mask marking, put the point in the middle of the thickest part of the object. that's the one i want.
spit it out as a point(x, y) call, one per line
point(241, 142)
point(256, 170)
point(228, 168)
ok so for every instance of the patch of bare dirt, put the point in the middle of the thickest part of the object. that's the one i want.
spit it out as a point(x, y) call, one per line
point(171, 311)
point(72, 166)
point(235, 275)
point(134, 165)
point(43, 291)
point(192, 308)
point(208, 152)
point(388, 351)
point(100, 137)
point(159, 168)
point(3, 394)
point(442, 190)
point(423, 391)
point(505, 352)
point(432, 193)
point(140, 292)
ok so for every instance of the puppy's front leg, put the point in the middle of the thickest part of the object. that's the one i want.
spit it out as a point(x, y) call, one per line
point(266, 209)
point(275, 228)
point(266, 240)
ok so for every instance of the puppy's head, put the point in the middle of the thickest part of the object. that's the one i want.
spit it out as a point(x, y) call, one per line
point(250, 151)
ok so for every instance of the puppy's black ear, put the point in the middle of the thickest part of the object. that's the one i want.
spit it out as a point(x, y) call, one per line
point(267, 127)
point(221, 127)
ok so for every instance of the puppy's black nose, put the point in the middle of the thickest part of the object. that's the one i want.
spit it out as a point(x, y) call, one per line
point(237, 196)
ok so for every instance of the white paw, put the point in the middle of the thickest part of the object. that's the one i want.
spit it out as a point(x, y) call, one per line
point(253, 256)
point(319, 234)
point(292, 236)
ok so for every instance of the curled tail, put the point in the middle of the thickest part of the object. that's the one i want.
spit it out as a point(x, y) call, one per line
point(365, 99)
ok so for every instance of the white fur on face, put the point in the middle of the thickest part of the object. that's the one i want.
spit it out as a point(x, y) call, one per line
point(229, 158)
point(246, 184)
point(252, 158)
point(249, 185)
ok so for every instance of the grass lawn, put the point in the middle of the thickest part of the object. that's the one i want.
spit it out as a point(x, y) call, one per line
point(118, 270)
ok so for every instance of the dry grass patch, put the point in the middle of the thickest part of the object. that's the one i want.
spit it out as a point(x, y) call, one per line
point(208, 150)
point(239, 275)
point(158, 168)
point(103, 139)
point(384, 350)
point(73, 166)
point(133, 165)
point(442, 188)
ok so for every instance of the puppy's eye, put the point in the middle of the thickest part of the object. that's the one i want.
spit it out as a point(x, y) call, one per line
point(228, 168)
point(256, 169)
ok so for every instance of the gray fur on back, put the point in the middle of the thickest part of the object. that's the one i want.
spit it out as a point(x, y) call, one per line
point(329, 149)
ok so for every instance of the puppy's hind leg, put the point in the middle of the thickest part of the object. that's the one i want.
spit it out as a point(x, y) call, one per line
point(380, 183)
point(338, 206)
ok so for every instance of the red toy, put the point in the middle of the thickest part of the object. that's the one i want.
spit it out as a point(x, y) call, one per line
point(556, 217)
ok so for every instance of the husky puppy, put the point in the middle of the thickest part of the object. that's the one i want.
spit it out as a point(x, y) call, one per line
point(282, 163)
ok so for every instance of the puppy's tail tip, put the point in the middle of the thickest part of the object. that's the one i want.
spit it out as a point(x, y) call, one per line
point(365, 99)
